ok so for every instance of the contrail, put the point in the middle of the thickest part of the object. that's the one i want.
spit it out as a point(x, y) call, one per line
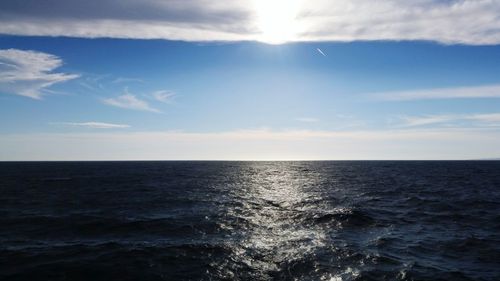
point(321, 52)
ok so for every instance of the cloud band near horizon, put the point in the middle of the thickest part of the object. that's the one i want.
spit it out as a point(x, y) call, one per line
point(415, 144)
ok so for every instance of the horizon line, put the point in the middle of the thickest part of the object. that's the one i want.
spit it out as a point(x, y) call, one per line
point(257, 160)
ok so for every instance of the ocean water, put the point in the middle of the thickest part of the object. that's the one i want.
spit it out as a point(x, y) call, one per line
point(361, 220)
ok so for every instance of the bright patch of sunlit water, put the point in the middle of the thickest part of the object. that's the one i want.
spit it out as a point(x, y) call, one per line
point(271, 201)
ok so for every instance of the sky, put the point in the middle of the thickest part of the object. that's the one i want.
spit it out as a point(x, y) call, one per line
point(249, 80)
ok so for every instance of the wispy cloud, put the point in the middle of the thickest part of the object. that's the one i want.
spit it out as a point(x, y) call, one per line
point(321, 52)
point(127, 80)
point(130, 101)
point(467, 21)
point(488, 120)
point(29, 73)
point(163, 96)
point(493, 118)
point(92, 125)
point(487, 91)
point(307, 119)
point(413, 121)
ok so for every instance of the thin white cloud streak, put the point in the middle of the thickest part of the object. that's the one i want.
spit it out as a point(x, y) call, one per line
point(93, 125)
point(321, 52)
point(127, 80)
point(486, 91)
point(485, 119)
point(29, 73)
point(307, 119)
point(130, 101)
point(126, 29)
point(473, 22)
point(489, 118)
point(163, 96)
point(446, 143)
point(414, 121)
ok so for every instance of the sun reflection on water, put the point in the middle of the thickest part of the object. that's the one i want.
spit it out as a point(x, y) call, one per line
point(270, 214)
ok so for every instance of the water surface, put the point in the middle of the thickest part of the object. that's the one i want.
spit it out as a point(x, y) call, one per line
point(376, 220)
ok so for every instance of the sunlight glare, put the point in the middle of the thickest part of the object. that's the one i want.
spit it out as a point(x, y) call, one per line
point(277, 20)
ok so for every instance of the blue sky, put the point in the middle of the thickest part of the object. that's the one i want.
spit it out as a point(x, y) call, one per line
point(67, 95)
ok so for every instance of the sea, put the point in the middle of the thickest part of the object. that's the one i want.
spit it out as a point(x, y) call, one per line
point(217, 220)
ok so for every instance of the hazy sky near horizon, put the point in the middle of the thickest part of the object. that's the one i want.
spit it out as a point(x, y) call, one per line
point(254, 80)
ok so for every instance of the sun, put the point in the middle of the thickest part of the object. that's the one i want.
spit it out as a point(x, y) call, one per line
point(277, 20)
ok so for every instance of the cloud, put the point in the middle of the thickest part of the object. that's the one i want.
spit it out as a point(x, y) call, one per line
point(473, 22)
point(198, 20)
point(29, 73)
point(93, 125)
point(487, 91)
point(163, 96)
point(493, 118)
point(488, 119)
point(454, 21)
point(129, 101)
point(413, 121)
point(442, 143)
point(127, 80)
point(307, 119)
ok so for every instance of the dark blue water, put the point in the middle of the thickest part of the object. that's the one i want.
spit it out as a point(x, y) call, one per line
point(250, 221)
